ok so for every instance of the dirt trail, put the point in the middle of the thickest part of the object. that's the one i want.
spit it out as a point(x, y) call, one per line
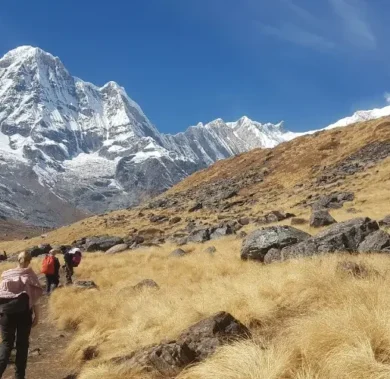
point(49, 362)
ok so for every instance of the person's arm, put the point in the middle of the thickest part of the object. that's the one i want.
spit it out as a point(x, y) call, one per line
point(36, 315)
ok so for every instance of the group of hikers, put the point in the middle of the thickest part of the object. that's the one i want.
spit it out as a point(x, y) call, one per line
point(20, 291)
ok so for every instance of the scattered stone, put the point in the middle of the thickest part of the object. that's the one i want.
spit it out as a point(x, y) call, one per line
point(199, 236)
point(259, 242)
point(86, 284)
point(118, 249)
point(298, 221)
point(178, 253)
point(333, 201)
point(195, 207)
point(244, 221)
point(102, 243)
point(242, 234)
point(376, 242)
point(273, 255)
point(357, 270)
point(221, 231)
point(321, 218)
point(211, 250)
point(146, 283)
point(158, 219)
point(175, 220)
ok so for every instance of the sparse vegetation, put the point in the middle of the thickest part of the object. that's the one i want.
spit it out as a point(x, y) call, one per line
point(308, 319)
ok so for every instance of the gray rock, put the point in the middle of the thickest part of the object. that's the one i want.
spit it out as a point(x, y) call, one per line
point(211, 250)
point(321, 217)
point(146, 283)
point(175, 220)
point(178, 253)
point(118, 249)
point(195, 207)
point(39, 250)
point(222, 231)
point(342, 237)
point(259, 242)
point(376, 242)
point(244, 221)
point(385, 221)
point(199, 236)
point(195, 344)
point(102, 243)
point(333, 201)
point(85, 284)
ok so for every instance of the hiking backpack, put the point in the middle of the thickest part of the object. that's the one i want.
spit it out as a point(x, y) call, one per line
point(48, 265)
point(76, 259)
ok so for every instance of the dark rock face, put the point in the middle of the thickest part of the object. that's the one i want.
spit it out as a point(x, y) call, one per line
point(376, 242)
point(178, 253)
point(147, 283)
point(321, 218)
point(259, 242)
point(274, 216)
point(102, 243)
point(195, 344)
point(117, 249)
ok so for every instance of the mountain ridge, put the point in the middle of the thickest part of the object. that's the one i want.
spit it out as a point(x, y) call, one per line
point(92, 148)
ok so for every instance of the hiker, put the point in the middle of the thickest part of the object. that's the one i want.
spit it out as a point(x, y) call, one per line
point(72, 259)
point(19, 292)
point(51, 269)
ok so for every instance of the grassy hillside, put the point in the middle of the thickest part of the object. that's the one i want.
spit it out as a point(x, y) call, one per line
point(308, 319)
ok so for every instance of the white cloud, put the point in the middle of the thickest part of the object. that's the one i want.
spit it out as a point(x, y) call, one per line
point(296, 34)
point(357, 28)
point(387, 97)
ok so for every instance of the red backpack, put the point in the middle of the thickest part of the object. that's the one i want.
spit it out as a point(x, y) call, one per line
point(48, 265)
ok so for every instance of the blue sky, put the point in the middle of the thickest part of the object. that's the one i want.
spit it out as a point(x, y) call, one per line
point(308, 62)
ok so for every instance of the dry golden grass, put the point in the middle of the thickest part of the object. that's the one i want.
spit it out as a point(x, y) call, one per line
point(308, 320)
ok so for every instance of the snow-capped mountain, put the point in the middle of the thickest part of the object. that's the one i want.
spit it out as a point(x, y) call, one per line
point(68, 147)
point(91, 149)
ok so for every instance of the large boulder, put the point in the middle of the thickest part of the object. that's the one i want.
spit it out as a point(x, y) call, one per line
point(118, 248)
point(195, 344)
point(102, 243)
point(259, 242)
point(342, 237)
point(321, 217)
point(376, 242)
point(42, 249)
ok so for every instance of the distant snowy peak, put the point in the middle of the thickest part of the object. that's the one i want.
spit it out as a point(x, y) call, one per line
point(361, 116)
